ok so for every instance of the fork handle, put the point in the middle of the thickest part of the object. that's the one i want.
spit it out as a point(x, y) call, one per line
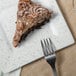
point(54, 71)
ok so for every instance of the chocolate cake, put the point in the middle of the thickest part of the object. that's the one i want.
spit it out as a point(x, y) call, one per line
point(29, 16)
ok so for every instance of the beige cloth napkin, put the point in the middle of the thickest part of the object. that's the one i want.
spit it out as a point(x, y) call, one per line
point(66, 58)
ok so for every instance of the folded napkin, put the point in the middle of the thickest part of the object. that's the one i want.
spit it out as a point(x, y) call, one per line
point(5, 53)
point(14, 73)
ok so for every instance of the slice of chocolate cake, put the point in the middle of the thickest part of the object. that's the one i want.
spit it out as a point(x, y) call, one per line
point(29, 16)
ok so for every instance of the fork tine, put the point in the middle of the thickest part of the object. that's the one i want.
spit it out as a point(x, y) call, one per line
point(43, 47)
point(49, 49)
point(46, 48)
point(52, 46)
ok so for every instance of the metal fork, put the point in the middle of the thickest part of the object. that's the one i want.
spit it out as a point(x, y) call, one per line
point(49, 52)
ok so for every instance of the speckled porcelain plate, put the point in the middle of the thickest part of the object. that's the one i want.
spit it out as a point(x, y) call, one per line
point(30, 50)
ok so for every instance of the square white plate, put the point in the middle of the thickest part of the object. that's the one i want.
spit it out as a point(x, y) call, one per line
point(30, 50)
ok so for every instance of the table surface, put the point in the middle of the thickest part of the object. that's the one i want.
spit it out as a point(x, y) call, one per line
point(66, 58)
